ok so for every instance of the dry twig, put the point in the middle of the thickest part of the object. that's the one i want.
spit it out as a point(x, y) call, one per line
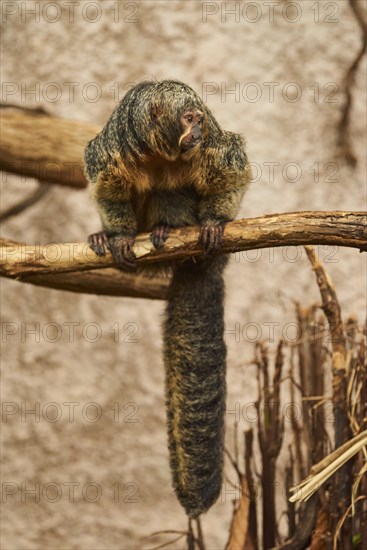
point(40, 192)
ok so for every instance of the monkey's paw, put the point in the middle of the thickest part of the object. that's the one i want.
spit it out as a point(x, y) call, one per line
point(120, 246)
point(211, 236)
point(98, 242)
point(159, 234)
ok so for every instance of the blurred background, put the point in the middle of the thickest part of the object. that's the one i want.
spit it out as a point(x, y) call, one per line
point(272, 71)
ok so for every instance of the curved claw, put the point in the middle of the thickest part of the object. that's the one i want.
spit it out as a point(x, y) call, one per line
point(211, 236)
point(159, 234)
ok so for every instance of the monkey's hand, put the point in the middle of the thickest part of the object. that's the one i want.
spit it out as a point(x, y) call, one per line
point(211, 235)
point(120, 246)
point(159, 234)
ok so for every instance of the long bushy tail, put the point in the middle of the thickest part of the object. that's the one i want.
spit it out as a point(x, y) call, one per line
point(195, 363)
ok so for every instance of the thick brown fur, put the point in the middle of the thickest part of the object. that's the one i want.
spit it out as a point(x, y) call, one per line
point(163, 161)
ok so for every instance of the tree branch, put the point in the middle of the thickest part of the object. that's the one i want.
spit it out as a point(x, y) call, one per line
point(105, 282)
point(344, 141)
point(342, 480)
point(47, 265)
point(44, 147)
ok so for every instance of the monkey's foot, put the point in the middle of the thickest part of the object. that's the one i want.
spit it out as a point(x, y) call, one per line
point(98, 242)
point(159, 234)
point(121, 247)
point(211, 236)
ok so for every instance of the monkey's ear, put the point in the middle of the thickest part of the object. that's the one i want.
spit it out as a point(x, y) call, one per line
point(155, 112)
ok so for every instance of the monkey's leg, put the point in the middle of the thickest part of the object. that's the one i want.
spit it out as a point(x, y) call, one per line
point(171, 209)
point(211, 236)
point(160, 234)
point(121, 247)
point(98, 242)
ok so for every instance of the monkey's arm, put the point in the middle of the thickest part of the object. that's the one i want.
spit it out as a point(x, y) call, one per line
point(118, 235)
point(117, 217)
point(214, 212)
point(219, 207)
point(113, 197)
point(226, 176)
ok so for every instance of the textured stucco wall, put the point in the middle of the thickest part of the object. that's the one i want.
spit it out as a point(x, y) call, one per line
point(215, 54)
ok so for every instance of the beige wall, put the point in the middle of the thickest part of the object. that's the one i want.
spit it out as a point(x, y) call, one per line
point(200, 43)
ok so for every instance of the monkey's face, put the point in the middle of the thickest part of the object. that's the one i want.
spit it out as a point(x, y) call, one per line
point(176, 130)
point(192, 129)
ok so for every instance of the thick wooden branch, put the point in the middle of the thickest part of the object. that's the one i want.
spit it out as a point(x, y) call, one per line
point(105, 282)
point(44, 147)
point(61, 265)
